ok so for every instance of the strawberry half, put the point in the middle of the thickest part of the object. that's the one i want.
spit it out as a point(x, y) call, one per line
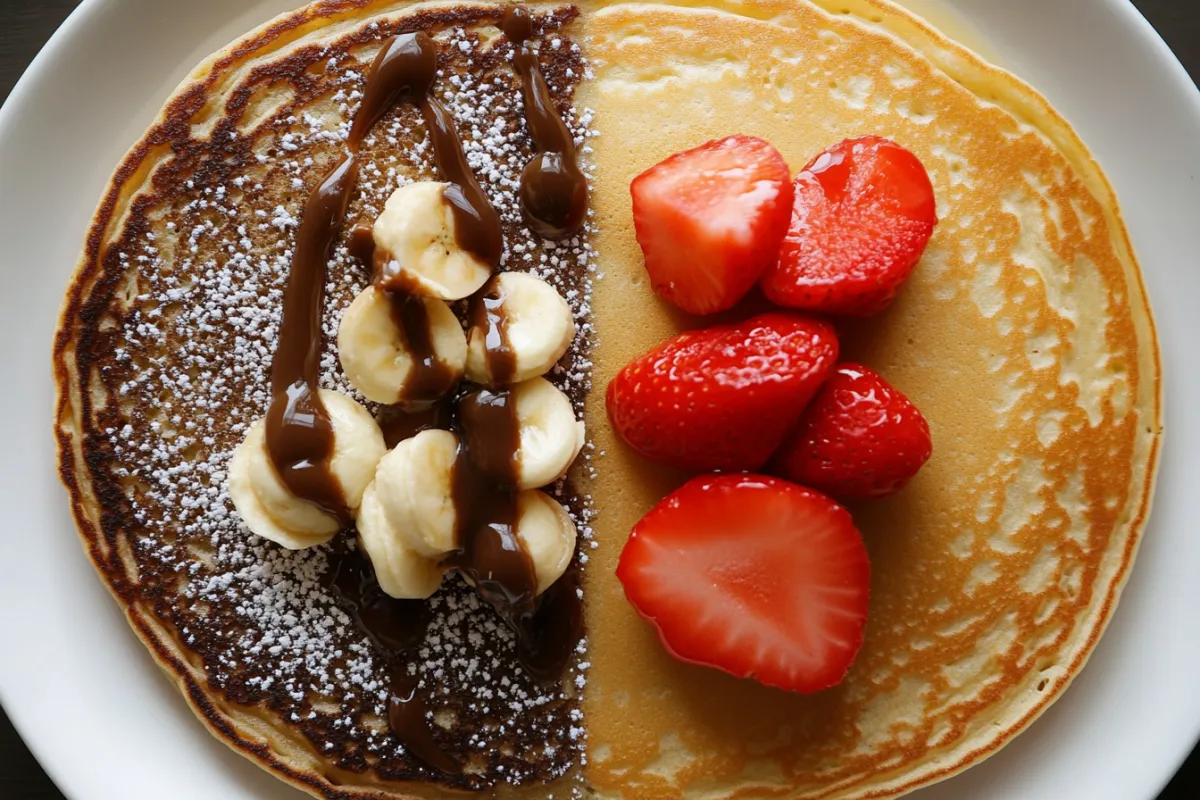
point(710, 220)
point(754, 576)
point(860, 438)
point(863, 213)
point(722, 398)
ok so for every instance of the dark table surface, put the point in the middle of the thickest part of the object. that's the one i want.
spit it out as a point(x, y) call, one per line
point(25, 25)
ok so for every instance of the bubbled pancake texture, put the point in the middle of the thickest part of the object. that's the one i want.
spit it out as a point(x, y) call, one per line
point(165, 354)
point(1024, 336)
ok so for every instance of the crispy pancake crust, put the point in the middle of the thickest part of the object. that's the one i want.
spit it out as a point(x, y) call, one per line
point(1025, 336)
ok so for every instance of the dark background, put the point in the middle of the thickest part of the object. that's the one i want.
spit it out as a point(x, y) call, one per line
point(25, 25)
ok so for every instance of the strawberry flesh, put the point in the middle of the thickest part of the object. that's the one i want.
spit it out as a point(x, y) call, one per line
point(863, 213)
point(710, 220)
point(860, 438)
point(725, 397)
point(754, 576)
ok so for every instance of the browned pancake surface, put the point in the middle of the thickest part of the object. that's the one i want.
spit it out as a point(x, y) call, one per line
point(164, 357)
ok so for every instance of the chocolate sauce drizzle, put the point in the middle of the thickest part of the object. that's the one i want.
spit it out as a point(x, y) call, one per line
point(405, 70)
point(486, 313)
point(483, 481)
point(554, 193)
point(399, 423)
point(490, 554)
point(397, 627)
point(300, 434)
point(431, 378)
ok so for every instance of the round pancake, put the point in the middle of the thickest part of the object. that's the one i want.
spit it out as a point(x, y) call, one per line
point(1024, 335)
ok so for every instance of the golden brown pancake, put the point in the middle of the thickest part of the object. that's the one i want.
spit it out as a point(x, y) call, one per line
point(1025, 337)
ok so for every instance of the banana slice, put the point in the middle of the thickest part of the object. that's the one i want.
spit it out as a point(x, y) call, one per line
point(408, 522)
point(416, 247)
point(548, 435)
point(271, 510)
point(537, 328)
point(401, 572)
point(547, 534)
point(414, 486)
point(392, 365)
point(260, 522)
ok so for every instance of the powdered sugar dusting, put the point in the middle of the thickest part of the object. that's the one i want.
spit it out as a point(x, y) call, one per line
point(189, 366)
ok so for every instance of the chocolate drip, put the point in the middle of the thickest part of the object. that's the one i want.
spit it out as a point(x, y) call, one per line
point(399, 424)
point(299, 433)
point(486, 313)
point(405, 70)
point(483, 489)
point(547, 635)
point(490, 433)
point(476, 224)
point(406, 718)
point(397, 627)
point(554, 193)
point(485, 501)
point(491, 555)
point(431, 379)
point(362, 244)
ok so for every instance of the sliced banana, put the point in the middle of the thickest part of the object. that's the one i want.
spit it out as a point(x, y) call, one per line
point(408, 522)
point(389, 365)
point(271, 510)
point(414, 486)
point(547, 534)
point(415, 238)
point(549, 436)
point(260, 522)
point(537, 327)
point(401, 573)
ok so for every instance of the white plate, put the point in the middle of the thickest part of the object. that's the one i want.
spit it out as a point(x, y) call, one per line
point(104, 722)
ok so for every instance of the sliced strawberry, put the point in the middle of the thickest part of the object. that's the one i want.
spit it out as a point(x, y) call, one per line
point(860, 438)
point(725, 397)
point(710, 220)
point(754, 576)
point(863, 213)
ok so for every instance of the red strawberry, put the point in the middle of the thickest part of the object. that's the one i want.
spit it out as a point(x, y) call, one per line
point(863, 213)
point(725, 397)
point(710, 220)
point(859, 438)
point(754, 576)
